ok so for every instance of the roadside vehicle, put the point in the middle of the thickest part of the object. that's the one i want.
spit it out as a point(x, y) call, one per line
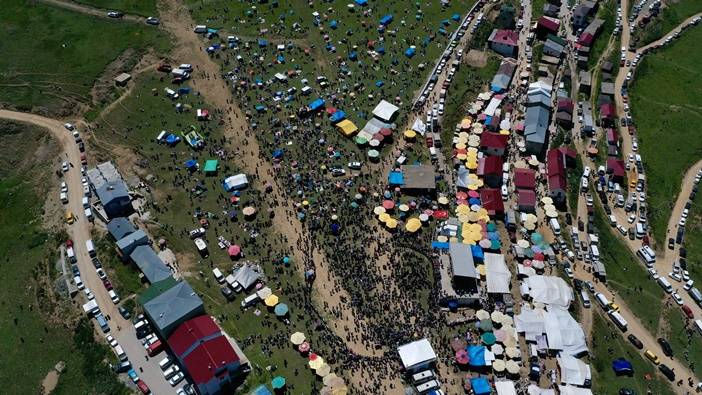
point(667, 349)
point(688, 311)
point(115, 14)
point(143, 387)
point(124, 312)
point(152, 21)
point(667, 372)
point(652, 357)
point(635, 341)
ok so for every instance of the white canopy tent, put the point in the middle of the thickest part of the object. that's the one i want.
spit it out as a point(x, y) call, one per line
point(573, 371)
point(534, 389)
point(497, 274)
point(549, 290)
point(570, 390)
point(385, 111)
point(505, 388)
point(417, 353)
point(562, 332)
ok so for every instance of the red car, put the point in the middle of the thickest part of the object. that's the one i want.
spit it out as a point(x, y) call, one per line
point(69, 243)
point(165, 68)
point(143, 387)
point(688, 311)
point(107, 284)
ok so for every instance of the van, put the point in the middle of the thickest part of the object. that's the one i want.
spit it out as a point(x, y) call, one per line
point(120, 353)
point(602, 300)
point(249, 300)
point(698, 325)
point(555, 226)
point(86, 202)
point(640, 233)
point(647, 254)
point(78, 282)
point(90, 247)
point(71, 255)
point(113, 296)
point(432, 153)
point(583, 184)
point(612, 220)
point(200, 29)
point(170, 372)
point(64, 197)
point(585, 298)
point(142, 329)
point(695, 295)
point(423, 376)
point(102, 322)
point(595, 252)
point(428, 386)
point(665, 284)
point(218, 275)
point(165, 363)
point(618, 320)
point(88, 214)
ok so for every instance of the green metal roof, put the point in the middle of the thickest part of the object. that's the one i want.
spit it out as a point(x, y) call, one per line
point(156, 289)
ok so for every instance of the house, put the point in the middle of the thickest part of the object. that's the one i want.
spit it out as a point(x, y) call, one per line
point(556, 176)
point(536, 125)
point(588, 36)
point(585, 78)
point(419, 179)
point(607, 67)
point(582, 12)
point(617, 170)
point(546, 25)
point(607, 89)
point(607, 114)
point(175, 305)
point(612, 151)
point(588, 127)
point(208, 355)
point(569, 156)
point(554, 46)
point(551, 10)
point(490, 168)
point(151, 266)
point(491, 199)
point(385, 111)
point(120, 227)
point(612, 136)
point(504, 75)
point(111, 190)
point(539, 93)
point(122, 79)
point(504, 41)
point(465, 275)
point(526, 200)
point(525, 179)
point(128, 243)
point(493, 143)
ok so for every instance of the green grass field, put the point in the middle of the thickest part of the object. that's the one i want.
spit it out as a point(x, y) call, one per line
point(537, 9)
point(30, 344)
point(669, 18)
point(666, 103)
point(608, 345)
point(138, 7)
point(685, 340)
point(57, 71)
point(693, 240)
point(627, 276)
point(608, 13)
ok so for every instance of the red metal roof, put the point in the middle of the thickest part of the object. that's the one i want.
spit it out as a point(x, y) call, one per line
point(493, 140)
point(491, 199)
point(616, 166)
point(585, 39)
point(506, 37)
point(612, 136)
point(526, 198)
point(551, 24)
point(207, 360)
point(555, 170)
point(525, 179)
point(607, 110)
point(490, 165)
point(190, 332)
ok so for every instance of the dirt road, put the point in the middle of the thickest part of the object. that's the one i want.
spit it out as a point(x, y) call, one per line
point(80, 232)
point(88, 10)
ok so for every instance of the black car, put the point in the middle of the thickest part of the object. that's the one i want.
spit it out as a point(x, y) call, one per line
point(121, 367)
point(627, 391)
point(667, 349)
point(667, 372)
point(671, 243)
point(682, 252)
point(124, 312)
point(228, 293)
point(534, 369)
point(96, 262)
point(635, 341)
point(569, 219)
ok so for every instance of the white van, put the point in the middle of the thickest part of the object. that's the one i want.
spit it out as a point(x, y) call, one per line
point(595, 251)
point(165, 363)
point(171, 371)
point(647, 254)
point(618, 320)
point(555, 226)
point(200, 29)
point(88, 214)
point(120, 353)
point(218, 275)
point(640, 233)
point(113, 296)
point(90, 247)
point(583, 184)
point(432, 153)
point(64, 197)
point(665, 284)
point(602, 300)
point(249, 300)
point(86, 202)
point(428, 386)
point(423, 376)
point(698, 325)
point(71, 255)
point(586, 298)
point(612, 220)
point(78, 282)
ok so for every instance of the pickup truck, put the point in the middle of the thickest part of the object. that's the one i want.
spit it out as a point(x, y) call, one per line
point(195, 233)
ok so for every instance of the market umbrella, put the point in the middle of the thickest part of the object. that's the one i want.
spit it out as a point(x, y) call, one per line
point(507, 321)
point(485, 325)
point(495, 245)
point(234, 250)
point(536, 237)
point(485, 243)
point(443, 200)
point(297, 338)
point(360, 140)
point(530, 225)
point(248, 211)
point(388, 204)
point(488, 338)
point(410, 134)
point(340, 390)
point(423, 217)
point(496, 316)
point(391, 223)
point(546, 200)
point(512, 367)
point(512, 352)
point(316, 363)
point(404, 207)
point(523, 243)
point(373, 153)
point(271, 301)
point(384, 217)
point(500, 335)
point(497, 349)
point(498, 365)
point(462, 357)
point(278, 382)
point(413, 225)
point(374, 143)
point(304, 347)
point(328, 378)
point(379, 210)
point(323, 370)
point(458, 344)
point(482, 315)
point(263, 293)
point(281, 309)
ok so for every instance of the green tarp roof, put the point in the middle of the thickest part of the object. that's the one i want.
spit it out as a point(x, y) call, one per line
point(156, 289)
point(211, 166)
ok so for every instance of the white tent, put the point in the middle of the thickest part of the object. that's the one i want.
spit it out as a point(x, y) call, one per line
point(562, 332)
point(536, 390)
point(505, 388)
point(238, 181)
point(573, 370)
point(570, 390)
point(419, 126)
point(385, 111)
point(549, 290)
point(497, 274)
point(416, 354)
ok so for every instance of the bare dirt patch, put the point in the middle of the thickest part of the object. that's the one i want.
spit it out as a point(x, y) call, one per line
point(476, 58)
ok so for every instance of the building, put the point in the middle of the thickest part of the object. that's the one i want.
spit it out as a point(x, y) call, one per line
point(172, 307)
point(588, 36)
point(419, 179)
point(547, 25)
point(490, 168)
point(505, 42)
point(122, 79)
point(111, 190)
point(588, 127)
point(526, 200)
point(536, 125)
point(554, 46)
point(582, 12)
point(503, 77)
point(607, 89)
point(491, 199)
point(551, 10)
point(128, 243)
point(585, 81)
point(493, 143)
point(608, 114)
point(465, 275)
point(525, 179)
point(556, 175)
point(617, 170)
point(417, 356)
point(207, 354)
point(151, 266)
point(120, 227)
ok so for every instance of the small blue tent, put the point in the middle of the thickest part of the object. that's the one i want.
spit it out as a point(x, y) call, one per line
point(409, 52)
point(476, 355)
point(622, 367)
point(396, 178)
point(277, 154)
point(456, 17)
point(440, 245)
point(353, 55)
point(361, 2)
point(262, 42)
point(480, 385)
point(261, 390)
point(317, 104)
point(379, 83)
point(477, 252)
point(386, 20)
point(338, 116)
point(333, 24)
point(172, 139)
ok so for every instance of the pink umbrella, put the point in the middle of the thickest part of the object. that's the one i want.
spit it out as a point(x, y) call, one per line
point(234, 250)
point(500, 335)
point(386, 132)
point(461, 195)
point(304, 347)
point(388, 204)
point(462, 201)
point(462, 357)
point(527, 263)
point(473, 194)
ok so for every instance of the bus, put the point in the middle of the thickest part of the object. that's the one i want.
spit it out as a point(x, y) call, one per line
point(618, 320)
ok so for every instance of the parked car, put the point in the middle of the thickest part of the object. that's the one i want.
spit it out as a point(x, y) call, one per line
point(667, 349)
point(152, 21)
point(143, 387)
point(124, 312)
point(115, 14)
point(635, 341)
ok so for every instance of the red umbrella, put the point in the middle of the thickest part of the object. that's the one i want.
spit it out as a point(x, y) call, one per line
point(234, 250)
point(539, 256)
point(461, 195)
point(461, 201)
point(233, 199)
point(473, 194)
point(388, 204)
point(379, 137)
point(462, 357)
point(386, 132)
point(312, 356)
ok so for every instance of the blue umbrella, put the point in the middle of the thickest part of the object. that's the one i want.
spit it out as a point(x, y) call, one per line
point(387, 194)
point(286, 260)
point(281, 309)
point(473, 201)
point(335, 228)
point(191, 163)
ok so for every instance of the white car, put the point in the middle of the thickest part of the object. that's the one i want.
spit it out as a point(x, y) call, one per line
point(682, 222)
point(685, 213)
point(176, 378)
point(677, 298)
point(89, 294)
point(589, 201)
point(634, 146)
point(152, 20)
point(354, 165)
point(675, 276)
point(631, 218)
point(111, 340)
point(64, 166)
point(64, 187)
point(115, 14)
point(505, 193)
point(84, 181)
point(688, 285)
point(642, 197)
point(69, 126)
point(101, 273)
point(686, 275)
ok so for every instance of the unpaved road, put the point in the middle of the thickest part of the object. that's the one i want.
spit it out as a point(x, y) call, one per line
point(79, 232)
point(88, 10)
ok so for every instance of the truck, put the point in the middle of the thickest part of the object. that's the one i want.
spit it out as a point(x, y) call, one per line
point(90, 247)
point(91, 308)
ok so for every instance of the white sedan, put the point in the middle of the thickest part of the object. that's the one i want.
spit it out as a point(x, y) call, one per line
point(111, 340)
point(176, 378)
point(677, 298)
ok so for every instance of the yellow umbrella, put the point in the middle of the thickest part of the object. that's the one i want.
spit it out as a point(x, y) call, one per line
point(316, 363)
point(463, 209)
point(413, 225)
point(410, 134)
point(442, 239)
point(391, 223)
point(297, 338)
point(463, 135)
point(472, 151)
point(482, 271)
point(384, 217)
point(379, 210)
point(472, 165)
point(271, 301)
point(463, 218)
point(460, 146)
point(505, 132)
point(323, 370)
point(305, 203)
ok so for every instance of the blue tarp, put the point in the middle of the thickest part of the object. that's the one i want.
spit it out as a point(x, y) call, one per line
point(172, 139)
point(353, 55)
point(361, 2)
point(333, 24)
point(261, 390)
point(396, 178)
point(191, 163)
point(622, 366)
point(440, 245)
point(476, 355)
point(386, 20)
point(409, 52)
point(262, 42)
point(379, 83)
point(260, 108)
point(480, 385)
point(183, 90)
point(317, 104)
point(281, 59)
point(338, 116)
point(456, 17)
point(477, 253)
point(380, 50)
point(277, 154)
point(445, 22)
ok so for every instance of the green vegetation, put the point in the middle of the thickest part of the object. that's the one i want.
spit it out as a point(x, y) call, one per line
point(665, 101)
point(121, 274)
point(608, 13)
point(682, 336)
point(608, 345)
point(468, 83)
point(670, 17)
point(138, 7)
point(574, 177)
point(537, 10)
point(37, 325)
point(627, 276)
point(56, 73)
point(693, 240)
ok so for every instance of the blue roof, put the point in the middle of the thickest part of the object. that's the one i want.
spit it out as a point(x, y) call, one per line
point(440, 245)
point(317, 104)
point(261, 390)
point(476, 355)
point(477, 252)
point(396, 178)
point(129, 242)
point(120, 227)
point(409, 52)
point(385, 20)
point(150, 264)
point(338, 116)
point(361, 2)
point(262, 42)
point(480, 385)
point(622, 366)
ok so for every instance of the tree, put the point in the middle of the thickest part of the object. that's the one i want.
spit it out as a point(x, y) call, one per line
point(505, 20)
